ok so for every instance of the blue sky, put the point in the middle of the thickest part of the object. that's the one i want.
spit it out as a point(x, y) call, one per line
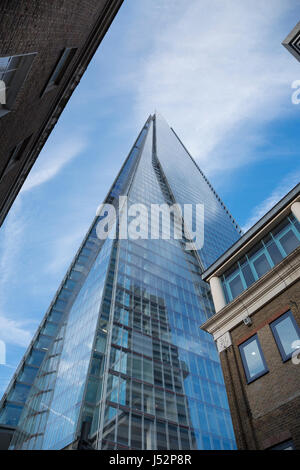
point(218, 73)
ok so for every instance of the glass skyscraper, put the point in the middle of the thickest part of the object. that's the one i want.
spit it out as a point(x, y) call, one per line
point(120, 348)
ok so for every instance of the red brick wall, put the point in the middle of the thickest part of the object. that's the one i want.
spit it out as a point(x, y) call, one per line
point(266, 411)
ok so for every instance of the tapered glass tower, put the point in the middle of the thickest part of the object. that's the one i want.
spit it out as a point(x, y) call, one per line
point(120, 352)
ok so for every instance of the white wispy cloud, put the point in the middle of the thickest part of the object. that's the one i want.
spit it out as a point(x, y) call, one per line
point(12, 238)
point(14, 332)
point(216, 70)
point(65, 248)
point(53, 159)
point(287, 183)
point(11, 330)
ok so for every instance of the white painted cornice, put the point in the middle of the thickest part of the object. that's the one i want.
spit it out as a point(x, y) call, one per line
point(256, 296)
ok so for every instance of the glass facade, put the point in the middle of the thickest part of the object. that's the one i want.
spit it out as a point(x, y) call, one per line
point(190, 186)
point(128, 356)
point(268, 252)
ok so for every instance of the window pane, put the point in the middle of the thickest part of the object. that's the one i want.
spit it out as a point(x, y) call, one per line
point(36, 357)
point(149, 434)
point(136, 396)
point(55, 316)
point(287, 445)
point(252, 358)
point(19, 393)
point(97, 364)
point(28, 374)
point(123, 426)
point(236, 286)
point(185, 443)
point(4, 61)
point(11, 415)
point(161, 435)
point(13, 71)
point(274, 252)
point(136, 432)
point(148, 399)
point(100, 342)
point(289, 241)
point(249, 278)
point(44, 342)
point(286, 333)
point(173, 437)
point(141, 344)
point(91, 392)
point(261, 265)
point(137, 367)
point(62, 63)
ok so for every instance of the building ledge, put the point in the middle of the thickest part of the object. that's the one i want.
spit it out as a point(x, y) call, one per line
point(256, 296)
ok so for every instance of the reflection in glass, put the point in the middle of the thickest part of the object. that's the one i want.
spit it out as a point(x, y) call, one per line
point(253, 360)
point(287, 334)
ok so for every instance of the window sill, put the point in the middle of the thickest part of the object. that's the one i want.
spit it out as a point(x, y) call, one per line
point(253, 379)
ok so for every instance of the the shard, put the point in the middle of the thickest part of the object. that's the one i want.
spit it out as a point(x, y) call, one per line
point(119, 356)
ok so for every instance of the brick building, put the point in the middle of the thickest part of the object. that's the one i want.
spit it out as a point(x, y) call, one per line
point(45, 47)
point(256, 291)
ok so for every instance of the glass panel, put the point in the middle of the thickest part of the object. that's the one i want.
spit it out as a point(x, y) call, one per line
point(236, 286)
point(137, 367)
point(253, 359)
point(62, 61)
point(173, 437)
point(248, 275)
point(274, 252)
point(60, 305)
point(261, 265)
point(19, 393)
point(287, 445)
point(185, 442)
point(13, 71)
point(123, 427)
point(136, 432)
point(28, 374)
point(36, 357)
point(91, 392)
point(287, 334)
point(147, 370)
point(142, 344)
point(97, 364)
point(148, 399)
point(44, 342)
point(161, 435)
point(149, 434)
point(289, 241)
point(55, 316)
point(136, 396)
point(10, 414)
point(100, 342)
point(4, 61)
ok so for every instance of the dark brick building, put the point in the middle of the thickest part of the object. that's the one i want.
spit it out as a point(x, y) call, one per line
point(256, 291)
point(45, 47)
